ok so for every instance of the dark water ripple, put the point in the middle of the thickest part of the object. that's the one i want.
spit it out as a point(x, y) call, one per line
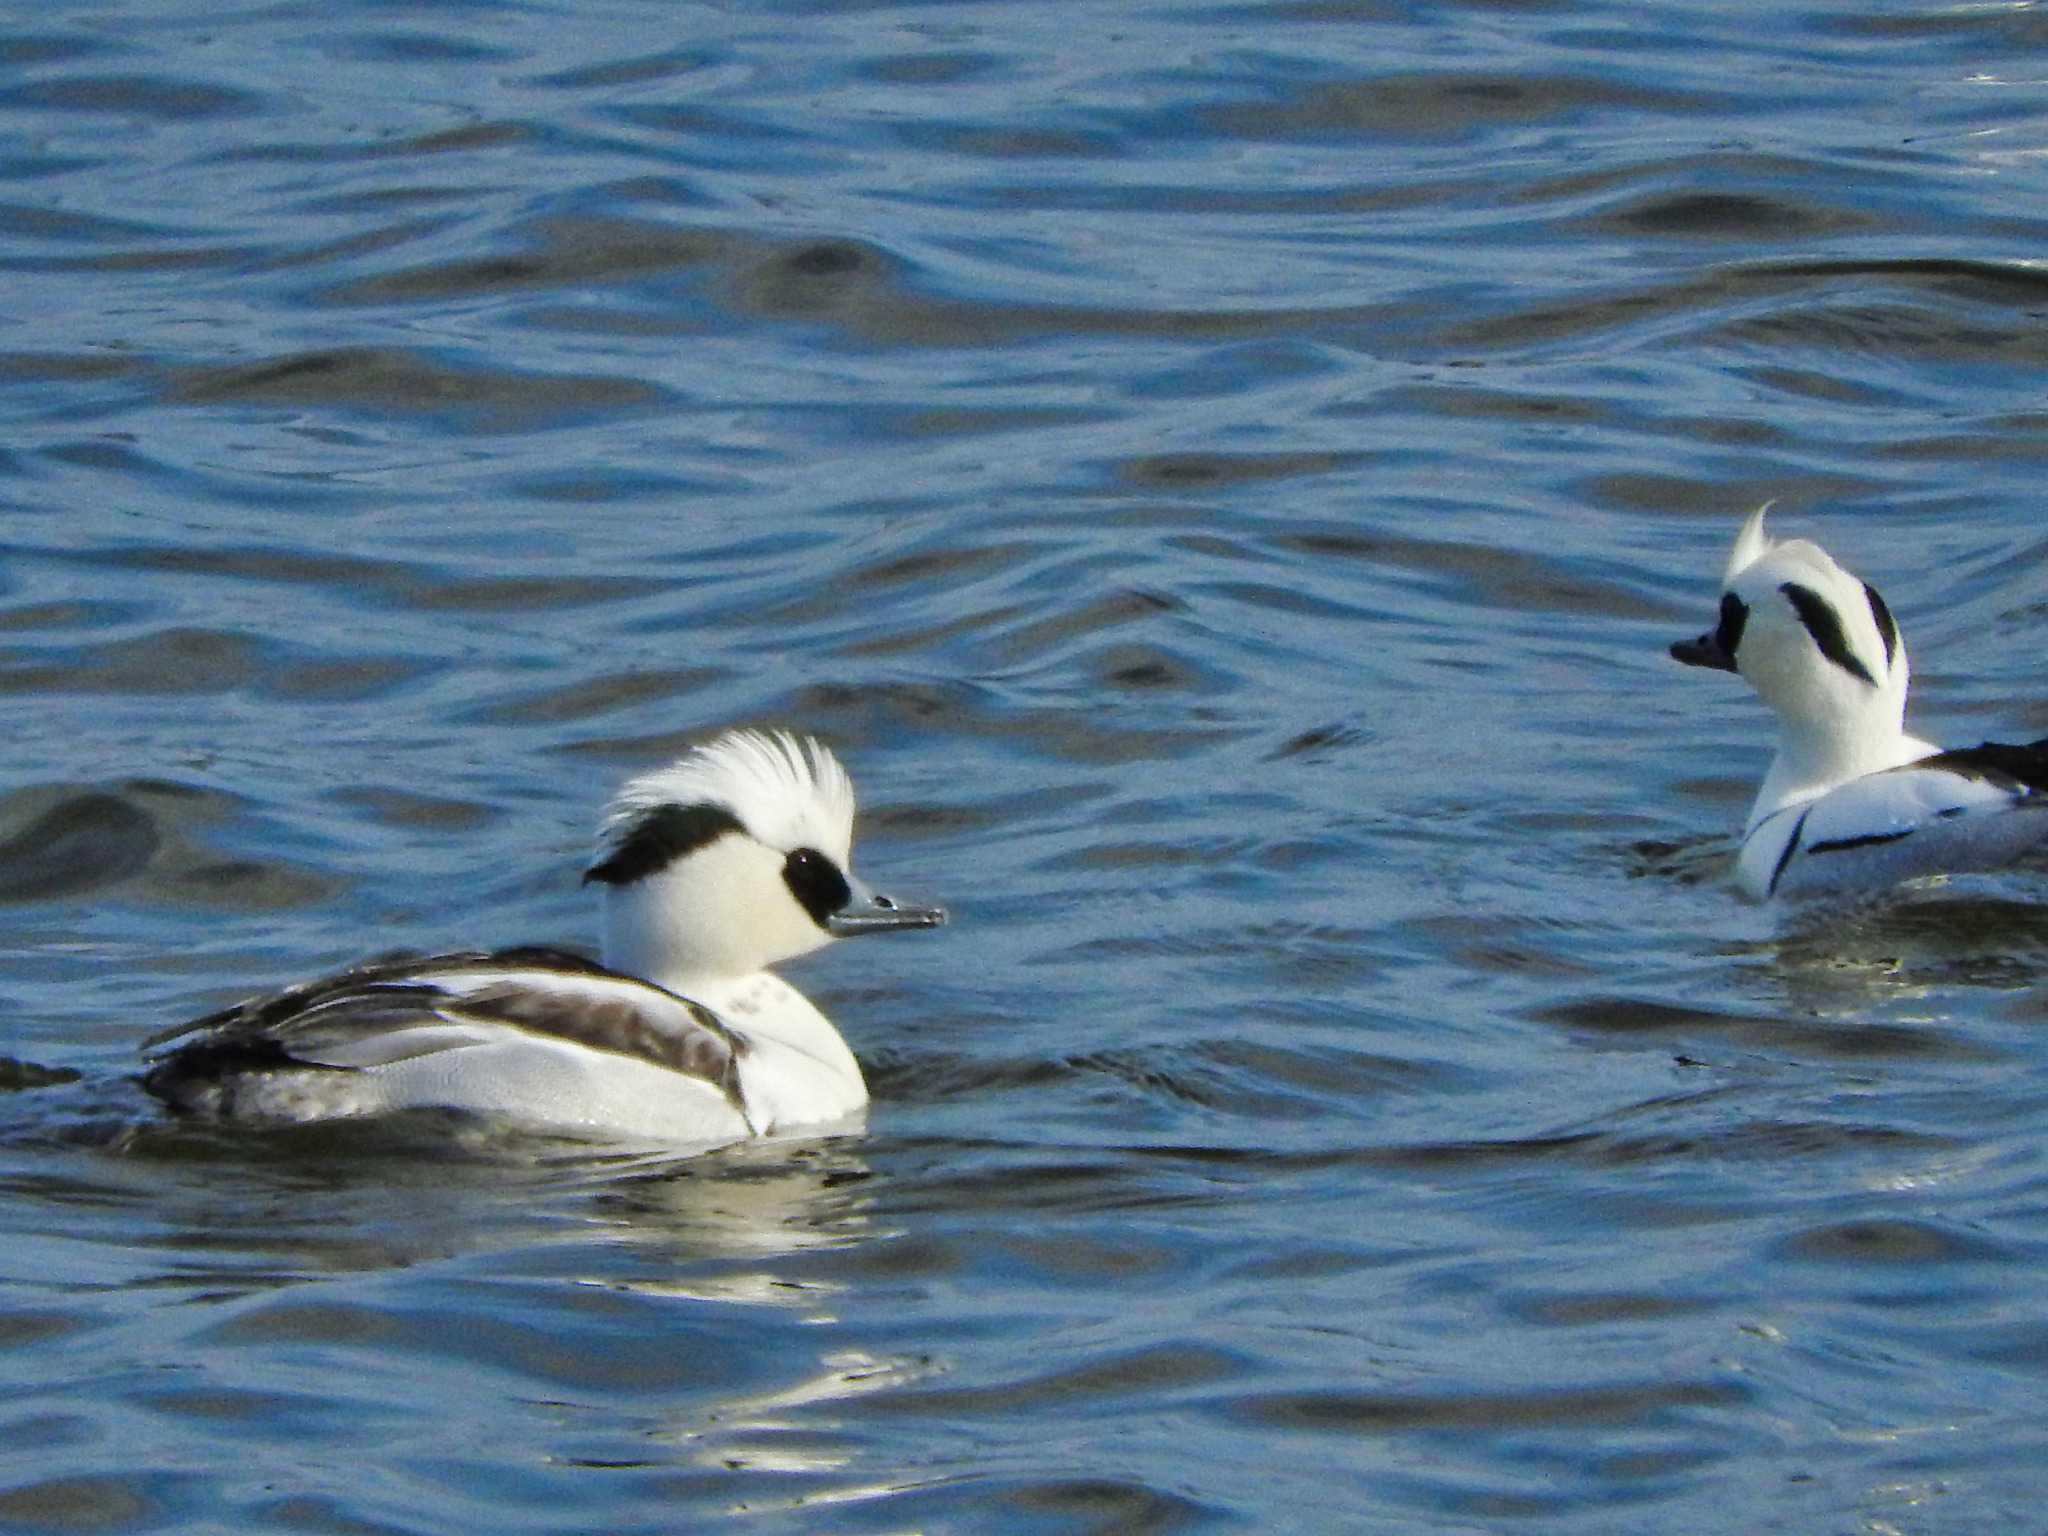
point(1225, 477)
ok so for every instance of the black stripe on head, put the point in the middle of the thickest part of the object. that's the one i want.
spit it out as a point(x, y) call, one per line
point(659, 838)
point(816, 882)
point(1825, 625)
point(1885, 626)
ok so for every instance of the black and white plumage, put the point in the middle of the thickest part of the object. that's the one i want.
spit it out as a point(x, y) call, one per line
point(1852, 802)
point(729, 860)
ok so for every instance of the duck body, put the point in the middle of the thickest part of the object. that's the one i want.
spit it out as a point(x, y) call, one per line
point(1852, 801)
point(1945, 813)
point(732, 858)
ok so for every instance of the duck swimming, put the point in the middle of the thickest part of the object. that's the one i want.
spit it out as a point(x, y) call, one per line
point(733, 858)
point(1852, 801)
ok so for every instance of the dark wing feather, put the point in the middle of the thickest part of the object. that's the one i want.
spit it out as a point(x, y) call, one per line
point(350, 1012)
point(625, 1024)
point(2020, 765)
point(273, 1009)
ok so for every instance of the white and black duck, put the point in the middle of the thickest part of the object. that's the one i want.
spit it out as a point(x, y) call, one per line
point(1852, 802)
point(731, 859)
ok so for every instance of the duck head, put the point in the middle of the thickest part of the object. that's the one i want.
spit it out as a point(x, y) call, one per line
point(1817, 643)
point(734, 857)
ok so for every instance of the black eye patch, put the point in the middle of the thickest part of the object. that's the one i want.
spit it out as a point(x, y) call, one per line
point(658, 839)
point(1734, 615)
point(1825, 625)
point(816, 883)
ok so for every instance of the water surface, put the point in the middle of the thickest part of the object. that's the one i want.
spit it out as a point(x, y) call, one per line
point(1224, 477)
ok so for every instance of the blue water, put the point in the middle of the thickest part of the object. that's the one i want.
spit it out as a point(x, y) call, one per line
point(1224, 478)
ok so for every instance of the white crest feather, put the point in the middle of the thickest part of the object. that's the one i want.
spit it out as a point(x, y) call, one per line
point(1751, 545)
point(788, 791)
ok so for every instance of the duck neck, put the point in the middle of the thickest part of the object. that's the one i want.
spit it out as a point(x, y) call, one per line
point(1812, 761)
point(641, 939)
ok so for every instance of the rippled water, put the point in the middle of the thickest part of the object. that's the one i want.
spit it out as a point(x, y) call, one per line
point(1224, 477)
